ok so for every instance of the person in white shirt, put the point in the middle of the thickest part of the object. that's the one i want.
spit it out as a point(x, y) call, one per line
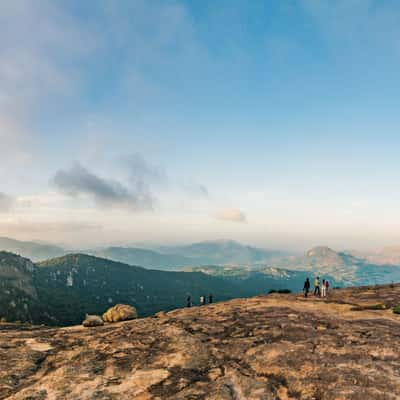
point(323, 289)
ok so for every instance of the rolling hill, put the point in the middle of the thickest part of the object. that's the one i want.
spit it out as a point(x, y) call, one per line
point(223, 252)
point(32, 250)
point(147, 258)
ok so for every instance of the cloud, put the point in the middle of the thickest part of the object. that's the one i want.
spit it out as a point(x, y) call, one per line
point(78, 181)
point(6, 202)
point(232, 215)
point(140, 171)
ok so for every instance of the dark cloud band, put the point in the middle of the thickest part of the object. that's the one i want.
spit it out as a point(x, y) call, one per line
point(78, 181)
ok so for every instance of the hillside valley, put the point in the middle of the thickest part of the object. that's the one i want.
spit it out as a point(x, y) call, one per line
point(62, 290)
point(277, 347)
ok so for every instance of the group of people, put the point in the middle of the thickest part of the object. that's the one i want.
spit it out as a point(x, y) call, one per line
point(203, 300)
point(320, 289)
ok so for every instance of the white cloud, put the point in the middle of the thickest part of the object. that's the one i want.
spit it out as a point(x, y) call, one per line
point(232, 215)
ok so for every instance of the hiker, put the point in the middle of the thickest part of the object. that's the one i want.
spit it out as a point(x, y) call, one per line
point(210, 299)
point(306, 287)
point(202, 300)
point(189, 301)
point(326, 287)
point(317, 291)
point(323, 288)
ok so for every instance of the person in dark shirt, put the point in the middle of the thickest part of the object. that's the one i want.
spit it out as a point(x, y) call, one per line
point(210, 298)
point(189, 301)
point(306, 288)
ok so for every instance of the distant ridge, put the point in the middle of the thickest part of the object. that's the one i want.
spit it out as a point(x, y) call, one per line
point(223, 252)
point(345, 268)
point(32, 250)
point(144, 257)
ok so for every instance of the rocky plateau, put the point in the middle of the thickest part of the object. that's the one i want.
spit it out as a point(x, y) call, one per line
point(268, 347)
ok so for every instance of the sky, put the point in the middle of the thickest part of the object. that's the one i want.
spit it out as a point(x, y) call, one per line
point(273, 122)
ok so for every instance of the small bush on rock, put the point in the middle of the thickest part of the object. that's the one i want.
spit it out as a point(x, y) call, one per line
point(396, 309)
point(280, 291)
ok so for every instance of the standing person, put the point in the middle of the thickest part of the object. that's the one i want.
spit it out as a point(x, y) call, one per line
point(306, 287)
point(202, 300)
point(210, 299)
point(323, 288)
point(317, 290)
point(326, 287)
point(189, 301)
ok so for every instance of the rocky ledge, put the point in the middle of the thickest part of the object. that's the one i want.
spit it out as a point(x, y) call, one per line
point(268, 347)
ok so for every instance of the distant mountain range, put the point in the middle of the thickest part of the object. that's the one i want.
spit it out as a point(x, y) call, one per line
point(32, 250)
point(145, 257)
point(345, 268)
point(223, 252)
point(219, 252)
point(60, 290)
point(385, 256)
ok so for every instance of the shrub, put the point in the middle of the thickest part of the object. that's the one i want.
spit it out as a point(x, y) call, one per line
point(378, 306)
point(280, 291)
point(396, 309)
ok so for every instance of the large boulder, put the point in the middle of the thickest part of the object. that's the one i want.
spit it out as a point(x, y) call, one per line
point(120, 312)
point(92, 320)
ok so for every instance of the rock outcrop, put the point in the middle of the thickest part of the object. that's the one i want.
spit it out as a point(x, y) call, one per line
point(120, 312)
point(276, 347)
point(92, 320)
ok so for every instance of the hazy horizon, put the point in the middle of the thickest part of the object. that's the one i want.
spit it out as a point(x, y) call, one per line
point(275, 124)
point(161, 246)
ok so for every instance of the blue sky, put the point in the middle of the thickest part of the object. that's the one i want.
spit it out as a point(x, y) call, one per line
point(271, 122)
